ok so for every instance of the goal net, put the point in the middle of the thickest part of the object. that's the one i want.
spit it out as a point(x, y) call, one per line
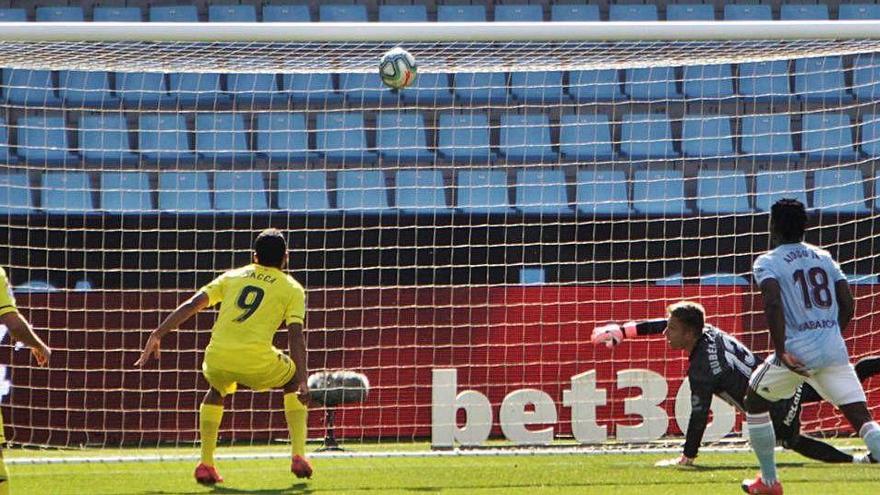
point(458, 239)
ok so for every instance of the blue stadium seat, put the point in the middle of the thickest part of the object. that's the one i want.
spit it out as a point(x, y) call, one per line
point(820, 79)
point(401, 139)
point(59, 14)
point(282, 138)
point(362, 89)
point(35, 287)
point(196, 90)
point(403, 13)
point(866, 75)
point(142, 90)
point(421, 191)
point(361, 191)
point(707, 137)
point(764, 81)
point(104, 139)
point(126, 192)
point(587, 86)
point(722, 192)
point(222, 137)
point(482, 190)
point(303, 191)
point(174, 13)
point(773, 185)
point(585, 138)
point(464, 138)
point(803, 12)
point(81, 89)
point(184, 192)
point(253, 89)
point(724, 279)
point(708, 81)
point(341, 137)
point(646, 137)
point(286, 13)
point(532, 275)
point(13, 15)
point(745, 12)
point(29, 87)
point(15, 193)
point(690, 12)
point(858, 11)
point(839, 190)
point(526, 139)
point(117, 14)
point(674, 280)
point(659, 192)
point(827, 137)
point(651, 83)
point(461, 13)
point(429, 89)
point(538, 88)
point(632, 12)
point(870, 128)
point(67, 193)
point(542, 191)
point(311, 90)
point(232, 13)
point(480, 88)
point(164, 138)
point(519, 13)
point(240, 191)
point(767, 137)
point(6, 156)
point(574, 13)
point(602, 192)
point(857, 279)
point(43, 140)
point(342, 13)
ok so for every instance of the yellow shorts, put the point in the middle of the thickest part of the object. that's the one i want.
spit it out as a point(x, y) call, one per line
point(276, 374)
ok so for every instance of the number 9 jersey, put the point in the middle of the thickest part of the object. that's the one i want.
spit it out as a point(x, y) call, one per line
point(254, 301)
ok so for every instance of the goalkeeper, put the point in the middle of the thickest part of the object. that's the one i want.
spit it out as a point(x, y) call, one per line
point(721, 365)
point(255, 300)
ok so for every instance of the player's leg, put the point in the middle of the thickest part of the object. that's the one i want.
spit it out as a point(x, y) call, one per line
point(859, 417)
point(4, 476)
point(296, 414)
point(210, 418)
point(817, 450)
point(867, 367)
point(842, 387)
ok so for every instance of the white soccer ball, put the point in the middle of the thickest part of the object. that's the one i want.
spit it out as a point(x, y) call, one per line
point(397, 68)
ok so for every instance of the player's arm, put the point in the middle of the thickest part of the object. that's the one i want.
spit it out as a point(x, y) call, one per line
point(771, 293)
point(701, 402)
point(20, 330)
point(297, 348)
point(184, 312)
point(612, 334)
point(845, 303)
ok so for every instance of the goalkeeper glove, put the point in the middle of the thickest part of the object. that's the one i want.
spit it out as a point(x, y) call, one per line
point(612, 334)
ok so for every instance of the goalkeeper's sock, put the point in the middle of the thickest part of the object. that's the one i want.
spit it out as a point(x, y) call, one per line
point(210, 417)
point(870, 433)
point(763, 440)
point(296, 412)
point(4, 478)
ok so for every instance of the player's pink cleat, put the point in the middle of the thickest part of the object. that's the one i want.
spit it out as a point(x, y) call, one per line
point(301, 467)
point(207, 475)
point(757, 487)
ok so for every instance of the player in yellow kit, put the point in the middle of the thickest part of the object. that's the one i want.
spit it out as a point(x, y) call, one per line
point(255, 300)
point(20, 331)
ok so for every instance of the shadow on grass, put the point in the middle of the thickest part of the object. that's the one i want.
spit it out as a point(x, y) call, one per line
point(295, 489)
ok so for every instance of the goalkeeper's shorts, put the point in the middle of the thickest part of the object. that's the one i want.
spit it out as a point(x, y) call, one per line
point(276, 374)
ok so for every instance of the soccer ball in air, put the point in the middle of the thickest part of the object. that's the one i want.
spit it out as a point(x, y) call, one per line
point(397, 68)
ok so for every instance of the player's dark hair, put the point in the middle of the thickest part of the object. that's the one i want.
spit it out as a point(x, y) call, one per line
point(270, 247)
point(789, 218)
point(690, 313)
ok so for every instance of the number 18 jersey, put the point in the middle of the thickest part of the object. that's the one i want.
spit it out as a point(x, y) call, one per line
point(254, 301)
point(806, 275)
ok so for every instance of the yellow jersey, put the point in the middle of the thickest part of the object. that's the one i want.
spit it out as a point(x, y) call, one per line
point(255, 300)
point(7, 300)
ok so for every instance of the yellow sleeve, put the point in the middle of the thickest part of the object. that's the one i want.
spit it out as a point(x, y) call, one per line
point(7, 300)
point(214, 289)
point(296, 310)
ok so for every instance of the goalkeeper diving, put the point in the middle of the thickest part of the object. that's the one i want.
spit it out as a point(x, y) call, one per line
point(721, 365)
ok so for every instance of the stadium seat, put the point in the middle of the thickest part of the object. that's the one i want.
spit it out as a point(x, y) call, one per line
point(820, 79)
point(526, 139)
point(421, 191)
point(43, 139)
point(574, 13)
point(764, 81)
point(482, 190)
point(126, 192)
point(232, 13)
point(13, 15)
point(311, 90)
point(587, 86)
point(857, 279)
point(6, 156)
point(461, 13)
point(86, 89)
point(708, 81)
point(519, 13)
point(858, 11)
point(142, 90)
point(724, 279)
point(839, 190)
point(773, 185)
point(184, 192)
point(196, 90)
point(707, 137)
point(538, 88)
point(282, 138)
point(722, 192)
point(480, 88)
point(690, 12)
point(117, 14)
point(651, 83)
point(803, 12)
point(67, 193)
point(429, 89)
point(164, 138)
point(400, 138)
point(341, 137)
point(104, 139)
point(532, 275)
point(602, 193)
point(870, 129)
point(342, 13)
point(585, 138)
point(286, 13)
point(253, 89)
point(35, 287)
point(59, 14)
point(827, 137)
point(303, 191)
point(866, 75)
point(646, 137)
point(659, 192)
point(366, 89)
point(747, 12)
point(632, 12)
point(222, 137)
point(15, 193)
point(464, 138)
point(673, 280)
point(403, 13)
point(174, 13)
point(361, 190)
point(240, 191)
point(26, 87)
point(542, 191)
point(767, 137)
point(82, 285)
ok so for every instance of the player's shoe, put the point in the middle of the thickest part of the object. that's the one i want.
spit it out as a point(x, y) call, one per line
point(301, 467)
point(207, 475)
point(758, 487)
point(864, 459)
